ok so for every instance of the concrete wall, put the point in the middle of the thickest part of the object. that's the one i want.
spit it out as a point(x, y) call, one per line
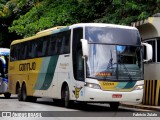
point(150, 29)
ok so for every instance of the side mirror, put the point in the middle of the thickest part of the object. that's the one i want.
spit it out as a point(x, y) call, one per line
point(85, 47)
point(148, 52)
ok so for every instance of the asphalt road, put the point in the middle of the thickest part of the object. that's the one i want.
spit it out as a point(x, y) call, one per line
point(46, 109)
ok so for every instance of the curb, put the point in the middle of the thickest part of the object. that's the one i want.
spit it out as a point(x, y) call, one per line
point(140, 106)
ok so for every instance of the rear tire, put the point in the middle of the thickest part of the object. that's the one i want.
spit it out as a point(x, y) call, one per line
point(19, 94)
point(31, 99)
point(7, 95)
point(24, 93)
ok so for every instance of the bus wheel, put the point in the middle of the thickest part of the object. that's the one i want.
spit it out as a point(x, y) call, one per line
point(19, 94)
point(24, 93)
point(31, 99)
point(67, 102)
point(114, 105)
point(7, 95)
point(57, 101)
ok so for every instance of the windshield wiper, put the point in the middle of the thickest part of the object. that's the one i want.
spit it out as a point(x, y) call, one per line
point(110, 64)
point(121, 62)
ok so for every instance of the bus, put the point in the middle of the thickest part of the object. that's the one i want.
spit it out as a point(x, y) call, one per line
point(84, 62)
point(4, 55)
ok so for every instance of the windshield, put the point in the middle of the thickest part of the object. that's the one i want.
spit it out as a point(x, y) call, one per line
point(112, 35)
point(112, 61)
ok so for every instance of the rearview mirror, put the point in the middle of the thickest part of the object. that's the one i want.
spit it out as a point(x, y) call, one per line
point(84, 47)
point(148, 52)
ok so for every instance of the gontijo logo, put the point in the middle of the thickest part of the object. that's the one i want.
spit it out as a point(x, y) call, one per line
point(27, 66)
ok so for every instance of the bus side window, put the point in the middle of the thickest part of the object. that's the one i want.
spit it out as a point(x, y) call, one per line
point(59, 43)
point(52, 45)
point(31, 49)
point(78, 62)
point(23, 51)
point(12, 55)
point(65, 49)
point(45, 45)
point(39, 46)
point(16, 52)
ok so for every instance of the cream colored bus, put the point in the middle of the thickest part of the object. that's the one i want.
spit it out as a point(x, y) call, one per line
point(86, 62)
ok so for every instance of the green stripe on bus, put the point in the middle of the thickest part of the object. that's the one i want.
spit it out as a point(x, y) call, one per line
point(42, 73)
point(130, 85)
point(50, 72)
point(126, 85)
point(121, 85)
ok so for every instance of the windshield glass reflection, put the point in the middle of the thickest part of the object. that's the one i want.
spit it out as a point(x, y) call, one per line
point(114, 62)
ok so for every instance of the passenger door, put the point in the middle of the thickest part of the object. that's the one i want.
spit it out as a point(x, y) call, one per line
point(78, 64)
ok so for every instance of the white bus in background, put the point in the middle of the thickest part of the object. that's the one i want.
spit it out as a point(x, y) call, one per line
point(86, 62)
point(4, 57)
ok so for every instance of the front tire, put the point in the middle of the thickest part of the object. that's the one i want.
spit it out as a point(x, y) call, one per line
point(114, 105)
point(67, 102)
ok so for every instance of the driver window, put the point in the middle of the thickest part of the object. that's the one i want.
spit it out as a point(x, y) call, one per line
point(78, 62)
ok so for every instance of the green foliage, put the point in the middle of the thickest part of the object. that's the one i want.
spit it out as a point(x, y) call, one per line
point(49, 13)
point(127, 11)
point(26, 17)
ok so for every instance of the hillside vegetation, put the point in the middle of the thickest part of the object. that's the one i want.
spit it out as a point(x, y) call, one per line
point(23, 18)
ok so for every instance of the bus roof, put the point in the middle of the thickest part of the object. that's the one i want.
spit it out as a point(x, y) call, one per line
point(102, 25)
point(4, 51)
point(50, 29)
point(63, 28)
point(41, 34)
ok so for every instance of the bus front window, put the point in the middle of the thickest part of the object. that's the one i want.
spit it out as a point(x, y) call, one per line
point(129, 63)
point(112, 62)
point(101, 61)
point(114, 53)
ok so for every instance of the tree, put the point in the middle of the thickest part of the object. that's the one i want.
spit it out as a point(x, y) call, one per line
point(127, 11)
point(26, 17)
point(49, 13)
point(9, 11)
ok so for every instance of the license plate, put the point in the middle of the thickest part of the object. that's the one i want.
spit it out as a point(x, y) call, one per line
point(116, 95)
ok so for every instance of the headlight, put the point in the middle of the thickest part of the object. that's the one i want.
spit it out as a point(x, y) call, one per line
point(138, 87)
point(92, 85)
